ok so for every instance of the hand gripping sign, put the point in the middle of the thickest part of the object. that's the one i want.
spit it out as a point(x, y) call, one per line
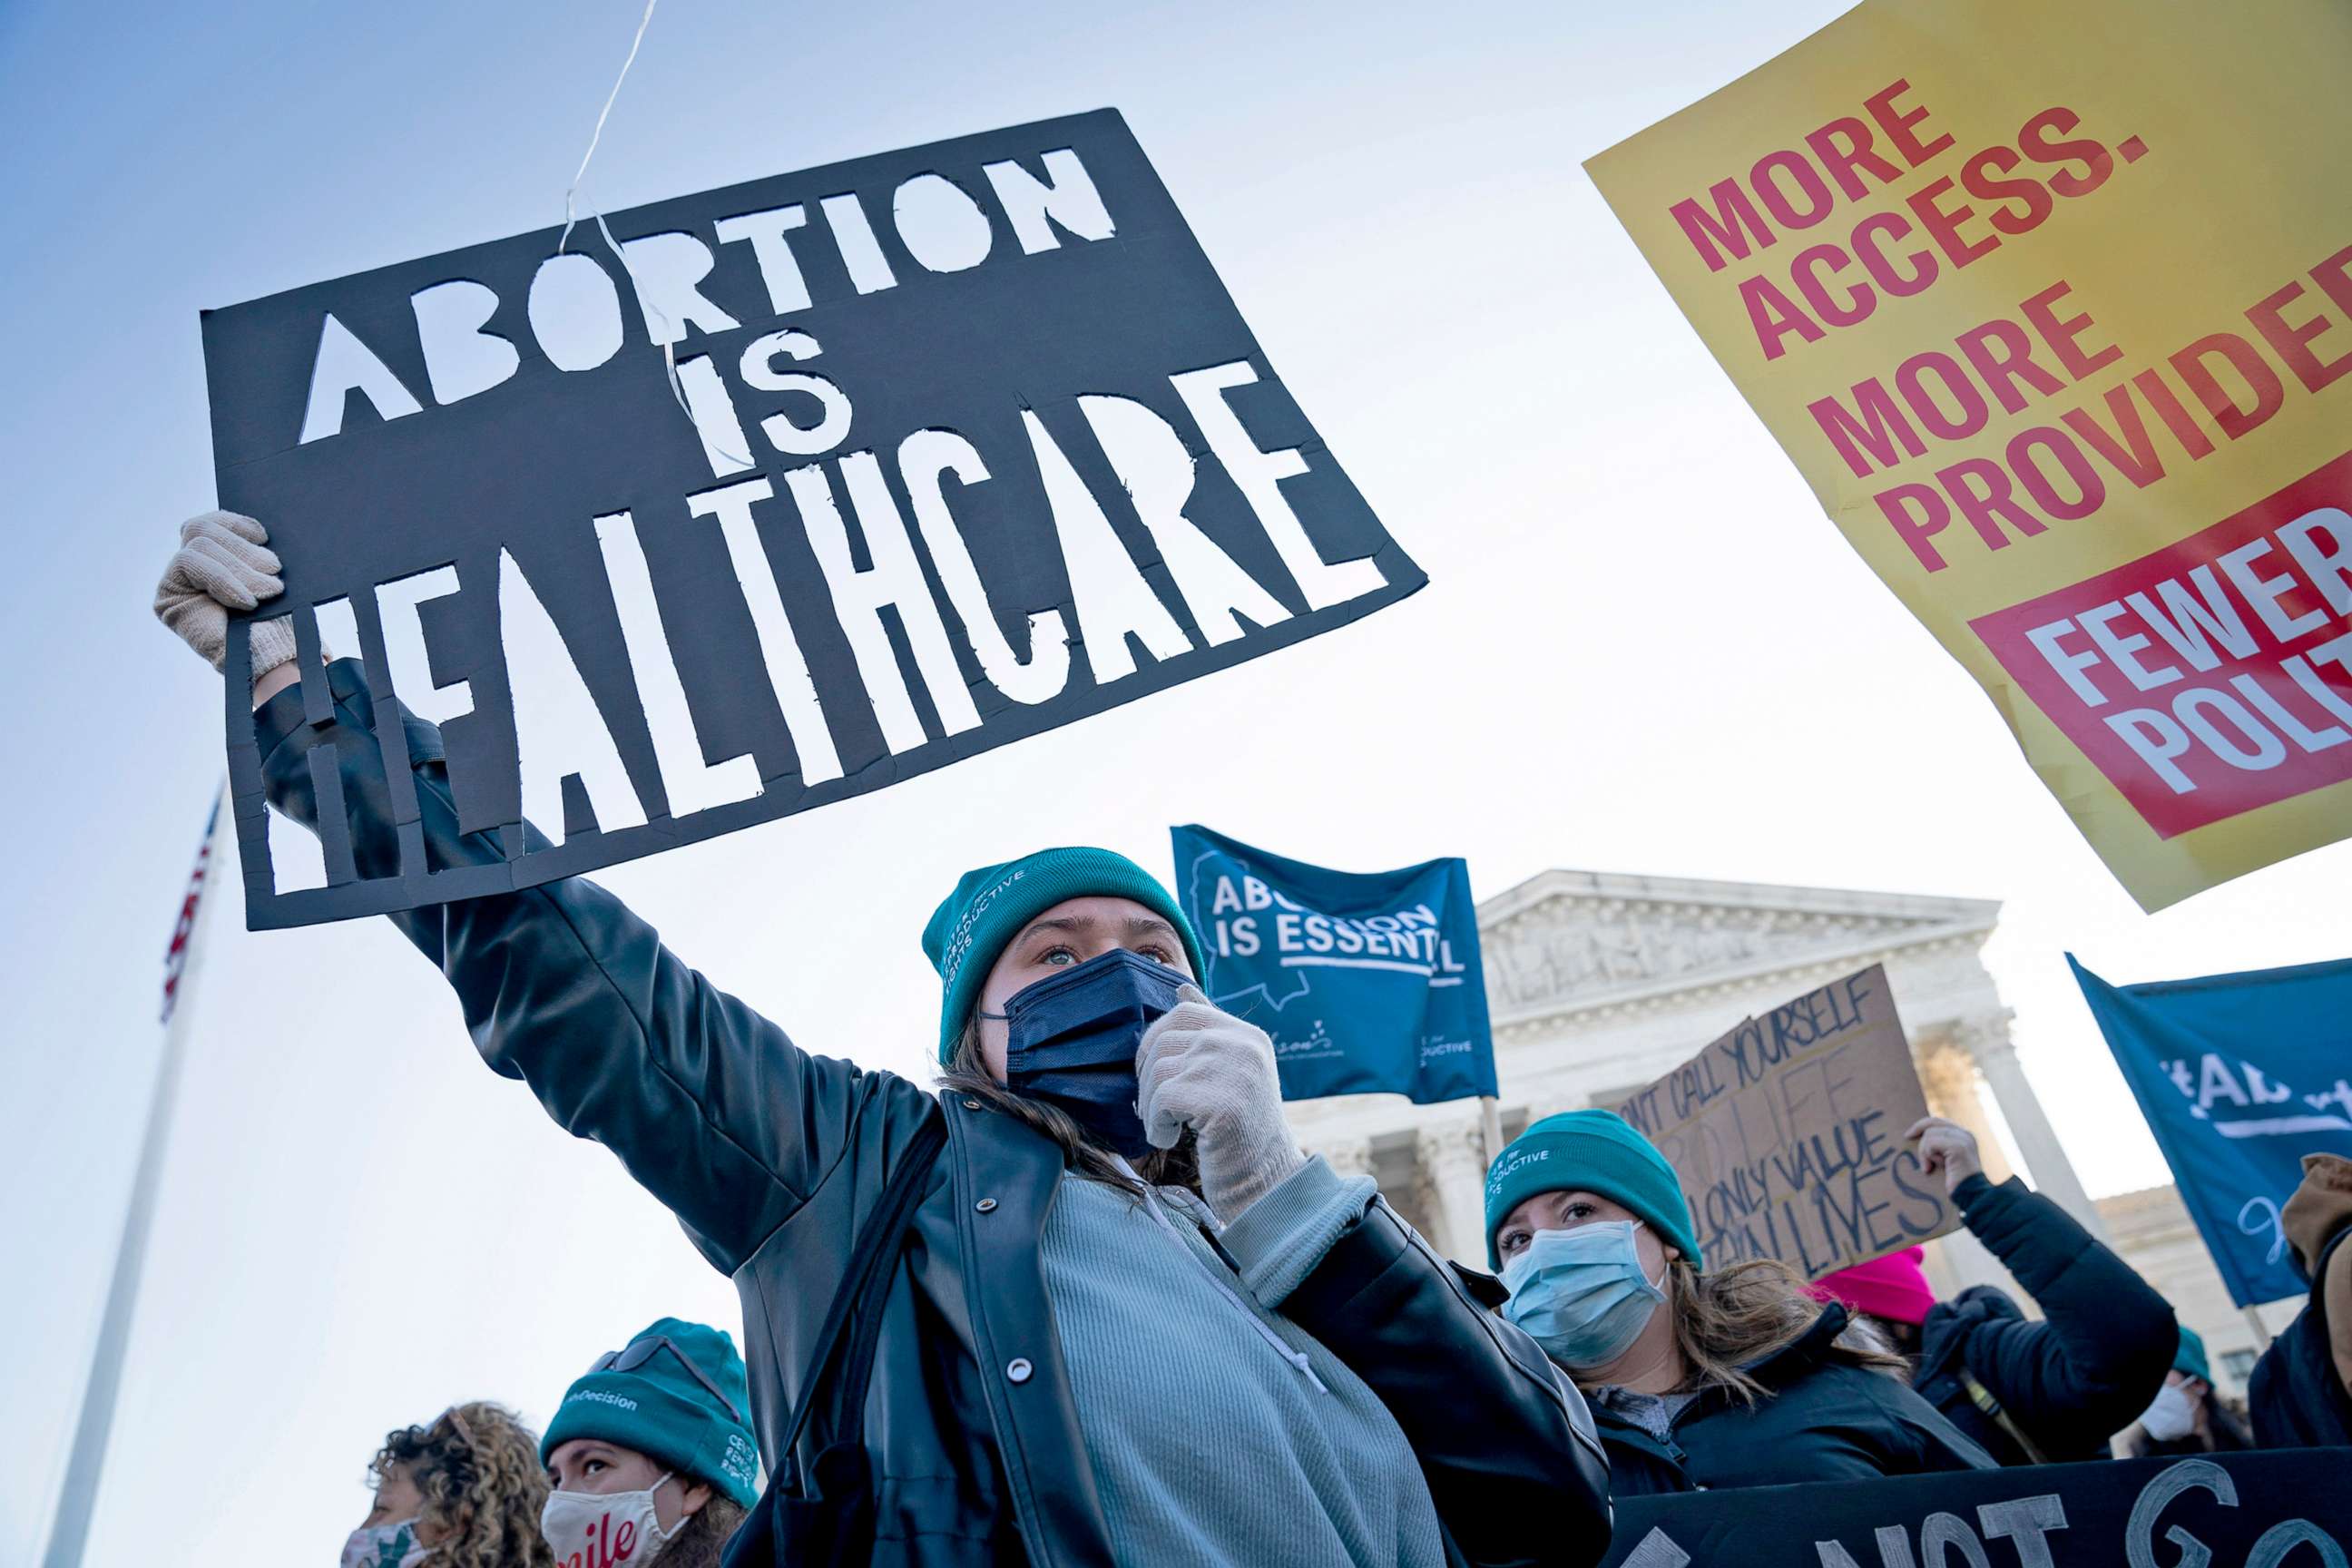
point(823, 481)
point(2052, 308)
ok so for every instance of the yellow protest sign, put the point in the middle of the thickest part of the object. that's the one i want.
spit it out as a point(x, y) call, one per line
point(2052, 305)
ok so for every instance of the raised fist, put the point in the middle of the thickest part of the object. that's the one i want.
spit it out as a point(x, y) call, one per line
point(224, 563)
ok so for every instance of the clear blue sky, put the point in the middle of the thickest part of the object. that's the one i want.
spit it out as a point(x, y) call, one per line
point(361, 1224)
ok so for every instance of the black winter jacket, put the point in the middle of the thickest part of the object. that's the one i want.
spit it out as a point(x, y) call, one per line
point(2071, 1381)
point(2296, 1394)
point(1824, 1419)
point(773, 1158)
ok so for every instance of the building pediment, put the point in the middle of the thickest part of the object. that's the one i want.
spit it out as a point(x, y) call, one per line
point(1566, 941)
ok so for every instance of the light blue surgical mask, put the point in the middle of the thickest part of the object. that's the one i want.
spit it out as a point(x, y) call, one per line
point(1581, 1294)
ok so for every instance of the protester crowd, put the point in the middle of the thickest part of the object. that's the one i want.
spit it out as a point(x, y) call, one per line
point(1089, 1302)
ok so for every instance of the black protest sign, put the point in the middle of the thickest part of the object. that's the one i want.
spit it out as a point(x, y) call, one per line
point(2285, 1510)
point(978, 445)
point(1788, 1133)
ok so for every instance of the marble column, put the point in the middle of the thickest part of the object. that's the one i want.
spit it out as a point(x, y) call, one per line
point(1453, 1160)
point(1947, 1072)
point(1949, 1076)
point(1985, 1037)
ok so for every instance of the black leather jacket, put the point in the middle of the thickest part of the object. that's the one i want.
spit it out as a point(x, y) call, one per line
point(771, 1158)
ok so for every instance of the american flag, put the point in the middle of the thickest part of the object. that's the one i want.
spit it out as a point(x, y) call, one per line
point(176, 957)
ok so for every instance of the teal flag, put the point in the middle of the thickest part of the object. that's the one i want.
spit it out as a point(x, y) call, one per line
point(2240, 1077)
point(1368, 982)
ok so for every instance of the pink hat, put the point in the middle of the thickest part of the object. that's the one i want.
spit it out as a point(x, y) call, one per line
point(1891, 1286)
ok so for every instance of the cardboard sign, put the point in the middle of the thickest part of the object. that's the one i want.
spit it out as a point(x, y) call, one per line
point(2058, 331)
point(2277, 1509)
point(1788, 1134)
point(1368, 982)
point(821, 482)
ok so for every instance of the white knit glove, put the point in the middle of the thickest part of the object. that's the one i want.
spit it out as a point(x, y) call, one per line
point(1206, 1069)
point(224, 563)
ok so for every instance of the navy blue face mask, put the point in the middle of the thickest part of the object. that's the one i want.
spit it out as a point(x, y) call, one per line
point(1073, 1040)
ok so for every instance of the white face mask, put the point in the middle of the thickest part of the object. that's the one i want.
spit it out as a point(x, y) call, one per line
point(602, 1530)
point(2171, 1417)
point(390, 1545)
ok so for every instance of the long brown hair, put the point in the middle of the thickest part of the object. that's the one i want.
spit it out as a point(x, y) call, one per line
point(476, 1467)
point(967, 1075)
point(1734, 1317)
point(701, 1538)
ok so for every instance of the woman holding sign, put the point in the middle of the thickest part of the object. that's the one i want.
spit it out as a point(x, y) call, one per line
point(1089, 1305)
point(2028, 1391)
point(1730, 1378)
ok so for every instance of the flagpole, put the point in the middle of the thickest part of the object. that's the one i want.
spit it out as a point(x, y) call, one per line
point(69, 1532)
point(1490, 1124)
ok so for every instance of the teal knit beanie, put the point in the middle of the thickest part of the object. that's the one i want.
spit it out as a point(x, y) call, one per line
point(991, 906)
point(2190, 1356)
point(663, 1411)
point(1596, 1152)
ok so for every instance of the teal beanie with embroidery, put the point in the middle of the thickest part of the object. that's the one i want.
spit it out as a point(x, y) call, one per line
point(1593, 1151)
point(991, 906)
point(652, 1401)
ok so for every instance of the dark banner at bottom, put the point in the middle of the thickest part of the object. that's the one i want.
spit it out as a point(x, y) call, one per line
point(2286, 1510)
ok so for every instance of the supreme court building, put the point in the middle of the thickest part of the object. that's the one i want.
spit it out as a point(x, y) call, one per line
point(1599, 984)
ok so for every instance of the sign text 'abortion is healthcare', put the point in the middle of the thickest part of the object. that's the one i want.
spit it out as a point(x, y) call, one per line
point(823, 481)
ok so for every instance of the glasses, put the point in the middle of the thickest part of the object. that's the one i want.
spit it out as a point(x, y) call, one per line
point(643, 1351)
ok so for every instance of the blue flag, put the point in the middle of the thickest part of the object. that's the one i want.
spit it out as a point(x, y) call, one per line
point(2240, 1077)
point(1368, 984)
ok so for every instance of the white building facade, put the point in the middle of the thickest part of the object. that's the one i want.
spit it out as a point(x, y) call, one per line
point(1599, 984)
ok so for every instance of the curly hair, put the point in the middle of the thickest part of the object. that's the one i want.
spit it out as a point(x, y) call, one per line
point(476, 1467)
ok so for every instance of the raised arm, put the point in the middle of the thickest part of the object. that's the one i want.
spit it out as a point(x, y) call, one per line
point(708, 1104)
point(2106, 1338)
point(2092, 1365)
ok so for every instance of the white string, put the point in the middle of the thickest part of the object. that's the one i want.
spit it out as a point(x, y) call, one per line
point(571, 219)
point(598, 135)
